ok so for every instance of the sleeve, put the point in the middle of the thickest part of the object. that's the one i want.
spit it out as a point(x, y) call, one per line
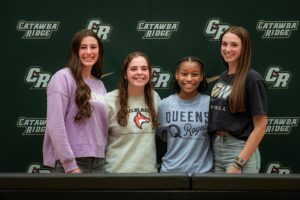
point(103, 86)
point(57, 104)
point(257, 97)
point(110, 103)
point(161, 130)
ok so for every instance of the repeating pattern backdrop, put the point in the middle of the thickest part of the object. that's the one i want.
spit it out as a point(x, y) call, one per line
point(35, 36)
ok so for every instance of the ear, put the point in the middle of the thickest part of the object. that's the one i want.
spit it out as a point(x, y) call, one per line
point(201, 77)
point(176, 75)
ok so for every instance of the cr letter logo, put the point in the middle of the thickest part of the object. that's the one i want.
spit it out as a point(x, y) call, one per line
point(277, 77)
point(36, 77)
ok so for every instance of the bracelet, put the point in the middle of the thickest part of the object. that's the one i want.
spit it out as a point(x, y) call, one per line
point(240, 162)
point(236, 166)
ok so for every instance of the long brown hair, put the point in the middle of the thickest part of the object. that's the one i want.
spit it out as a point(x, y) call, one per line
point(122, 99)
point(83, 92)
point(238, 94)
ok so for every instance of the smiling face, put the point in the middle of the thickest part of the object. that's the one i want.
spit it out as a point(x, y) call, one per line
point(189, 77)
point(137, 74)
point(231, 48)
point(88, 51)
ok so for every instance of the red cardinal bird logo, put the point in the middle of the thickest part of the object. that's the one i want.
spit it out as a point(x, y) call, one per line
point(139, 119)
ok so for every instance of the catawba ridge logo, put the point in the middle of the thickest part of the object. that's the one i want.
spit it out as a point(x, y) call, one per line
point(157, 30)
point(281, 125)
point(37, 78)
point(214, 28)
point(277, 29)
point(36, 167)
point(102, 30)
point(277, 78)
point(32, 125)
point(275, 167)
point(160, 79)
point(37, 29)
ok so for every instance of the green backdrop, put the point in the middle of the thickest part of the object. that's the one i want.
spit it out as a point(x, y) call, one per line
point(36, 34)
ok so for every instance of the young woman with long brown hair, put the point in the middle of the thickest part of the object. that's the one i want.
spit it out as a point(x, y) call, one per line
point(77, 123)
point(238, 107)
point(132, 119)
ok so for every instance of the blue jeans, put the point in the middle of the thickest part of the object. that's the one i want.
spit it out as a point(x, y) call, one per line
point(86, 165)
point(226, 148)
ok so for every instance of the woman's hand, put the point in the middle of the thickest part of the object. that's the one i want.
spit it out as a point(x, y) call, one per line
point(233, 170)
point(75, 171)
